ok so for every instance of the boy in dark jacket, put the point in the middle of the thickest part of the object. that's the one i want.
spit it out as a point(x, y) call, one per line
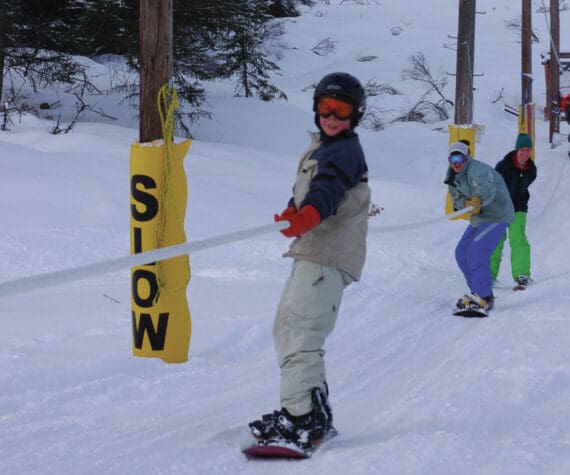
point(519, 171)
point(328, 217)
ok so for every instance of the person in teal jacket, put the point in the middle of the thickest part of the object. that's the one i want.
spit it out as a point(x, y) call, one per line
point(518, 170)
point(474, 183)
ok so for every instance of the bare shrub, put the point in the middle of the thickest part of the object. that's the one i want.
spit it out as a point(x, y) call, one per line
point(420, 71)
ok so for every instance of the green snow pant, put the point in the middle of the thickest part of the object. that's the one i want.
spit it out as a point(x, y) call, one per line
point(306, 315)
point(520, 249)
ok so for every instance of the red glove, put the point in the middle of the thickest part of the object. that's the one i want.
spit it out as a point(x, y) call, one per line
point(301, 222)
point(288, 212)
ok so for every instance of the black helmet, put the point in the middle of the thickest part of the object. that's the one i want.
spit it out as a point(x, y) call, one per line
point(346, 86)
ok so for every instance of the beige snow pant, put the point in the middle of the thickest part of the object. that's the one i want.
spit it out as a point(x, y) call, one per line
point(306, 315)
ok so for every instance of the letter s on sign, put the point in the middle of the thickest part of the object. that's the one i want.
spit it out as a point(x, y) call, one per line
point(148, 200)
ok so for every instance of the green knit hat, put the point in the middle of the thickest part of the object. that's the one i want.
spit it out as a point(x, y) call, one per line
point(523, 140)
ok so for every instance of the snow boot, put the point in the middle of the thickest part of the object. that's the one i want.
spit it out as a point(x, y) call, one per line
point(522, 282)
point(327, 409)
point(472, 301)
point(264, 428)
point(305, 431)
point(309, 429)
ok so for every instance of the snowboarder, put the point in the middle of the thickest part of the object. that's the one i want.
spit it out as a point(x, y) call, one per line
point(518, 170)
point(474, 183)
point(328, 216)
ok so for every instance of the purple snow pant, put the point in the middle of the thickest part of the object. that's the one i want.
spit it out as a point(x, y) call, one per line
point(473, 255)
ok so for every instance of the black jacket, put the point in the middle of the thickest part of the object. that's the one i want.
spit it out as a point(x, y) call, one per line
point(517, 180)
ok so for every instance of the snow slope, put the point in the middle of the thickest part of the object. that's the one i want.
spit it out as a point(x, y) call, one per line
point(414, 390)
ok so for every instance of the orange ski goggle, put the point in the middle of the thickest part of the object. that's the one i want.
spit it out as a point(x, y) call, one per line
point(327, 106)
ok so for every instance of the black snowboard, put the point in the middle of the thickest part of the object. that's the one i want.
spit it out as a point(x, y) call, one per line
point(471, 313)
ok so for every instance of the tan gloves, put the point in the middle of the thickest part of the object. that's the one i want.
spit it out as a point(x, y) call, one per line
point(475, 202)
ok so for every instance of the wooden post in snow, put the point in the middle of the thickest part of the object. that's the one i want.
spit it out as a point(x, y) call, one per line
point(465, 63)
point(554, 76)
point(156, 62)
point(526, 53)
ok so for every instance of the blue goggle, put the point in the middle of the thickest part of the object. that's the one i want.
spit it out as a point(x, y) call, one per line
point(456, 158)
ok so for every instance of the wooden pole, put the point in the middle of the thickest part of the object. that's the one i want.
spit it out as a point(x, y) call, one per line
point(156, 62)
point(554, 77)
point(465, 63)
point(526, 53)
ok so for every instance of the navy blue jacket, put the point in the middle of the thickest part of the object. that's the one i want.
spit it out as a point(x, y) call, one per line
point(517, 180)
point(341, 166)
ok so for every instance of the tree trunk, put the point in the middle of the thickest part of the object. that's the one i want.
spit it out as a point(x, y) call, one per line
point(3, 27)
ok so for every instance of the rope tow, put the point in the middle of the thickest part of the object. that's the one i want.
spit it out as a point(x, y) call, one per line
point(50, 279)
point(64, 276)
point(401, 227)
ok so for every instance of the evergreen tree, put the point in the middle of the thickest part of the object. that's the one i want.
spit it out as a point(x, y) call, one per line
point(44, 24)
point(244, 52)
point(33, 34)
point(287, 8)
point(109, 27)
point(216, 39)
point(213, 39)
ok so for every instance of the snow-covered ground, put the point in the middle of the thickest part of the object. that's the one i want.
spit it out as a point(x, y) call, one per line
point(414, 390)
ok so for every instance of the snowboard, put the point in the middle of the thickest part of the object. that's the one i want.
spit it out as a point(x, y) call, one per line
point(279, 448)
point(471, 313)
